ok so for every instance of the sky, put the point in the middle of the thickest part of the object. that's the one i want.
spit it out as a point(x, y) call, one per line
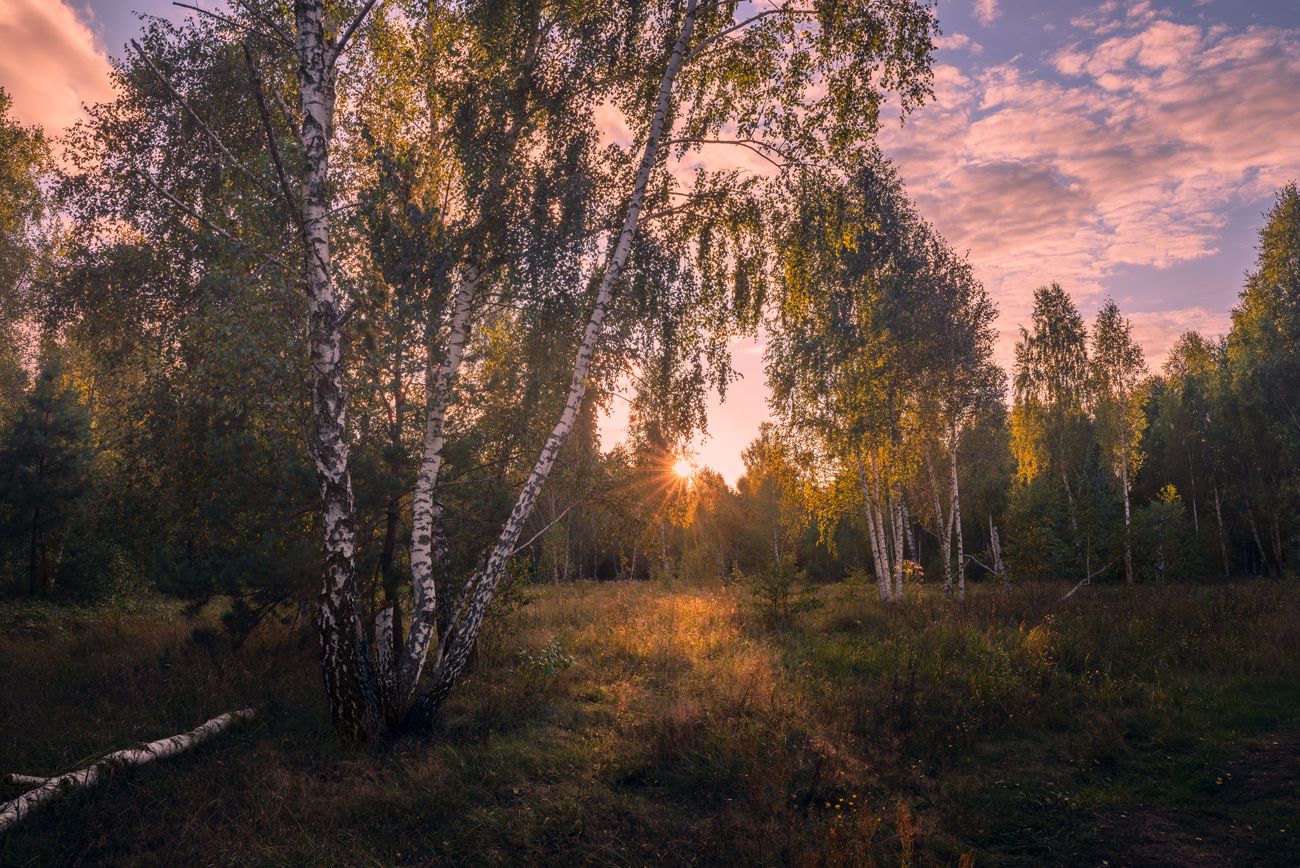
point(1123, 150)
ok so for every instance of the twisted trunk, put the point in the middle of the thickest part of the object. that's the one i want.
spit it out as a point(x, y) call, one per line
point(460, 640)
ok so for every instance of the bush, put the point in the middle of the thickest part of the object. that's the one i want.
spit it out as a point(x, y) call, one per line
point(777, 591)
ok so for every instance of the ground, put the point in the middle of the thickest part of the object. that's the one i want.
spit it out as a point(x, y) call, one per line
point(637, 724)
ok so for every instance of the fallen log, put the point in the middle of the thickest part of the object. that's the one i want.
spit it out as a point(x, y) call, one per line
point(25, 780)
point(11, 813)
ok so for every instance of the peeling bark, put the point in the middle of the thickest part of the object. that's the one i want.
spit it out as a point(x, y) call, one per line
point(13, 812)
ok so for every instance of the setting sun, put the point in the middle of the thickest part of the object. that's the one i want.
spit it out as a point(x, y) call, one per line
point(683, 468)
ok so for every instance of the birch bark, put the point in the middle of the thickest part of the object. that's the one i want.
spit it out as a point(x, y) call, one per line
point(459, 643)
point(14, 811)
point(941, 526)
point(425, 604)
point(954, 517)
point(345, 654)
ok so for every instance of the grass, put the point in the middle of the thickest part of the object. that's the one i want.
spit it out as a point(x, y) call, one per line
point(628, 724)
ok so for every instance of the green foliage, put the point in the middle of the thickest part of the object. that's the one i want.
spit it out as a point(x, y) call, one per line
point(777, 591)
point(46, 460)
point(1164, 545)
point(547, 662)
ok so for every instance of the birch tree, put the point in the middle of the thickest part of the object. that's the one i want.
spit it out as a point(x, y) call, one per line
point(1118, 372)
point(1051, 425)
point(875, 313)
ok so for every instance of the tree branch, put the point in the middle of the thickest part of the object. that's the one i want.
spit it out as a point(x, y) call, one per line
point(273, 36)
point(285, 191)
point(208, 224)
point(215, 139)
point(342, 43)
point(741, 25)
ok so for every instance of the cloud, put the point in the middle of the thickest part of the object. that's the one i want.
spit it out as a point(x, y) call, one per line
point(957, 41)
point(1157, 331)
point(49, 63)
point(1128, 149)
point(986, 11)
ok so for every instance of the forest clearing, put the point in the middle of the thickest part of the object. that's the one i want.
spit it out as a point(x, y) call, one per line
point(627, 724)
point(710, 432)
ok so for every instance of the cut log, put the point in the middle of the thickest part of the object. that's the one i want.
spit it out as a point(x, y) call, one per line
point(13, 812)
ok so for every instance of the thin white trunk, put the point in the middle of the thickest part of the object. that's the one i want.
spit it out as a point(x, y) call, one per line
point(884, 574)
point(385, 658)
point(460, 641)
point(14, 811)
point(868, 510)
point(419, 638)
point(941, 528)
point(954, 517)
point(998, 565)
point(1128, 520)
point(1223, 534)
point(896, 519)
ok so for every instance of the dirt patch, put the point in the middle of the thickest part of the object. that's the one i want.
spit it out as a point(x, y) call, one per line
point(1251, 819)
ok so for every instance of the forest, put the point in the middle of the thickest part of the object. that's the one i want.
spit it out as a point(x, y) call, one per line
point(307, 337)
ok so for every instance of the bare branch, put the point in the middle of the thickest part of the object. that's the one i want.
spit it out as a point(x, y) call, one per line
point(256, 11)
point(342, 43)
point(208, 224)
point(274, 36)
point(741, 25)
point(212, 136)
point(270, 139)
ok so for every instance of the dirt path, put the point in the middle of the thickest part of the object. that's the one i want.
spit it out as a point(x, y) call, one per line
point(1253, 818)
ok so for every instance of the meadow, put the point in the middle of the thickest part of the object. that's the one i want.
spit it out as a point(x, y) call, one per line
point(629, 723)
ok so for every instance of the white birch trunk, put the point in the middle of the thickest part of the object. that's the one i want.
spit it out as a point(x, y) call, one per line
point(954, 517)
point(868, 510)
point(941, 528)
point(385, 658)
point(345, 655)
point(14, 811)
point(459, 643)
point(896, 519)
point(1128, 520)
point(998, 565)
point(1223, 534)
point(884, 575)
point(419, 638)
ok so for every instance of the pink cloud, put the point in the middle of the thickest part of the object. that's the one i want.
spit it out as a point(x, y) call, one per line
point(957, 41)
point(49, 63)
point(986, 11)
point(1131, 157)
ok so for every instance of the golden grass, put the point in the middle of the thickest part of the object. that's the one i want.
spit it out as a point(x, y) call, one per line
point(629, 724)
